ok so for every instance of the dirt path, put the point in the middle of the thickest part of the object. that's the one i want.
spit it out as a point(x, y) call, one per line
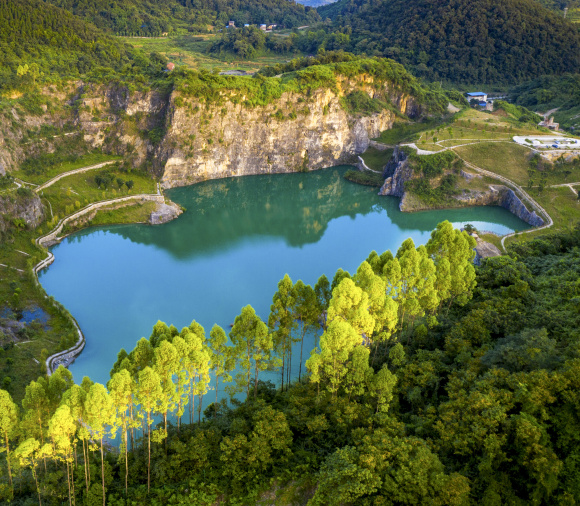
point(518, 189)
point(569, 185)
point(50, 182)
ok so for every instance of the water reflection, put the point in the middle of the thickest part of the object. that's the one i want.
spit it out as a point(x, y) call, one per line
point(235, 242)
point(296, 207)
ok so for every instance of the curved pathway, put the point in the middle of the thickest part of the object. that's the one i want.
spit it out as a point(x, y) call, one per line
point(569, 185)
point(66, 357)
point(50, 182)
point(518, 189)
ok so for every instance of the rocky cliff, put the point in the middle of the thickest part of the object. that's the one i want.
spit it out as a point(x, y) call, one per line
point(81, 117)
point(185, 139)
point(233, 140)
point(27, 207)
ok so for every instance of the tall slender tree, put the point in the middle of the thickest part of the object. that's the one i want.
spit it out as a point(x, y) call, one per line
point(221, 359)
point(149, 391)
point(62, 430)
point(253, 347)
point(8, 426)
point(282, 322)
point(122, 389)
point(100, 418)
point(307, 313)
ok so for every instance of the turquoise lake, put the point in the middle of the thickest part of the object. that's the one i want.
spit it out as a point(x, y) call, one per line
point(236, 240)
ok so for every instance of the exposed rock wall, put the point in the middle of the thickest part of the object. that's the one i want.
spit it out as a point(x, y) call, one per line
point(397, 172)
point(27, 208)
point(234, 140)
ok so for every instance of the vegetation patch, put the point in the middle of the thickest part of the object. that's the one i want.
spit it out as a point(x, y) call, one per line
point(364, 177)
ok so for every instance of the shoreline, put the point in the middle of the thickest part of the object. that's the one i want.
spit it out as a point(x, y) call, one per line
point(68, 356)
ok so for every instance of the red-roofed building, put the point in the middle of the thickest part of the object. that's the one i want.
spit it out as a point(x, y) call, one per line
point(170, 66)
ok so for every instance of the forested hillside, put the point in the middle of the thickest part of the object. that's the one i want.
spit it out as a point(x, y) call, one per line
point(433, 382)
point(149, 17)
point(42, 43)
point(481, 41)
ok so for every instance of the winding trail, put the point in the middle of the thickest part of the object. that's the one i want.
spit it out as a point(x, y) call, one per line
point(50, 182)
point(569, 185)
point(518, 190)
point(65, 357)
point(514, 186)
point(366, 167)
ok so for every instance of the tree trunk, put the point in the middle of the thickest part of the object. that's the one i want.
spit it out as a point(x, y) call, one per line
point(199, 409)
point(126, 462)
point(85, 462)
point(149, 458)
point(301, 347)
point(68, 481)
point(8, 459)
point(103, 470)
point(72, 473)
point(217, 380)
point(36, 481)
point(256, 382)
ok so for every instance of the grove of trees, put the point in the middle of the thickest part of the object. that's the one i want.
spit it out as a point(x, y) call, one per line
point(432, 382)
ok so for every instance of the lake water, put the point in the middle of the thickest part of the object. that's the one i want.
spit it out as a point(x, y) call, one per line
point(230, 248)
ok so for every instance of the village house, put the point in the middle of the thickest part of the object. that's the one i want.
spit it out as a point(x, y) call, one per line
point(478, 95)
point(231, 24)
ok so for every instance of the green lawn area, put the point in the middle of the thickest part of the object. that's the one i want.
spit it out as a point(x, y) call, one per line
point(83, 161)
point(466, 126)
point(376, 159)
point(133, 212)
point(507, 159)
point(564, 208)
point(78, 190)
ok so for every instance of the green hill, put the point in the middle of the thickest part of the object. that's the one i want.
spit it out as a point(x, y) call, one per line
point(475, 41)
point(42, 43)
point(150, 17)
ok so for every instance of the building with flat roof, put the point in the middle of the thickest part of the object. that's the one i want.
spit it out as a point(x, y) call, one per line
point(477, 95)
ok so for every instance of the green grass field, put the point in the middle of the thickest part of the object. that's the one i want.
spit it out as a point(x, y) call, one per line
point(83, 161)
point(78, 190)
point(376, 159)
point(191, 51)
point(507, 159)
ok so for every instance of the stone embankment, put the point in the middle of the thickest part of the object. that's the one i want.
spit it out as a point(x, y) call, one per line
point(67, 357)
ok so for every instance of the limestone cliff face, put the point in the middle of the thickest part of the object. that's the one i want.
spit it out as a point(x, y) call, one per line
point(28, 208)
point(80, 117)
point(396, 173)
point(233, 140)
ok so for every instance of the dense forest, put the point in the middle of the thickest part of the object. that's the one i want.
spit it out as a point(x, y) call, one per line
point(433, 382)
point(481, 41)
point(148, 17)
point(41, 43)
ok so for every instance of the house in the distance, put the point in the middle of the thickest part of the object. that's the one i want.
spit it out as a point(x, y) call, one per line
point(477, 95)
point(170, 66)
point(263, 27)
point(231, 24)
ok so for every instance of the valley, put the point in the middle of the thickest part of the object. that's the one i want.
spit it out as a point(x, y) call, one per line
point(360, 221)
